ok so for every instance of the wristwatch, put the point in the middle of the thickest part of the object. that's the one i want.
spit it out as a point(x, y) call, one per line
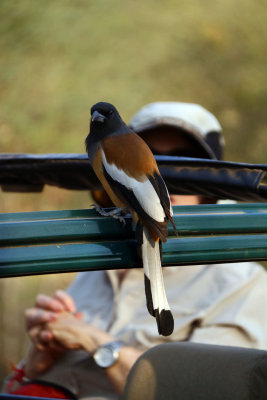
point(106, 355)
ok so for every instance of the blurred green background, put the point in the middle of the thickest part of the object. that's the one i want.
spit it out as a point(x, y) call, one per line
point(59, 57)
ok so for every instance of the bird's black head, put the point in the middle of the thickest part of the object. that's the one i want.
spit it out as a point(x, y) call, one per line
point(105, 119)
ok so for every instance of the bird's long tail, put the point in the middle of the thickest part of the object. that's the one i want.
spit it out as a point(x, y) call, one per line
point(157, 303)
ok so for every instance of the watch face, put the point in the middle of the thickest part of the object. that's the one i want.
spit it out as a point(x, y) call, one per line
point(104, 357)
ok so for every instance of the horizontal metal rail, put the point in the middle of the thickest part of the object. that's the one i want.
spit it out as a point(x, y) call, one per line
point(77, 240)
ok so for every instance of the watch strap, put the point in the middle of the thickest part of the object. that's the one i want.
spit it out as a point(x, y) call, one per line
point(115, 345)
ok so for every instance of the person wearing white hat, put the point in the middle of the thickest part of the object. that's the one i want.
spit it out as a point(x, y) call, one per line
point(87, 339)
point(187, 120)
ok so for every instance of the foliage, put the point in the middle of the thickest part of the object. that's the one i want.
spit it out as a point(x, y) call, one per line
point(59, 57)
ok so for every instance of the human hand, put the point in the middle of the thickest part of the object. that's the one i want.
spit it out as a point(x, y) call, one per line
point(73, 333)
point(45, 349)
point(46, 310)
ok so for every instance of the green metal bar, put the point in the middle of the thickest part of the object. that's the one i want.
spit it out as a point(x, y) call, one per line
point(215, 249)
point(111, 255)
point(90, 213)
point(45, 259)
point(76, 225)
point(43, 215)
point(62, 230)
point(74, 240)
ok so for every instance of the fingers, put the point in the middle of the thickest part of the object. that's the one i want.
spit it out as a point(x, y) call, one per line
point(66, 300)
point(61, 301)
point(40, 338)
point(37, 316)
point(44, 339)
point(49, 303)
point(47, 309)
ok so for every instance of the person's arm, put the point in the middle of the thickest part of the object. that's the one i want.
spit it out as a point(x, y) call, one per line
point(72, 333)
point(53, 328)
point(118, 372)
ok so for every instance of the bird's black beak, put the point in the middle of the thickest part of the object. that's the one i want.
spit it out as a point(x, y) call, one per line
point(96, 116)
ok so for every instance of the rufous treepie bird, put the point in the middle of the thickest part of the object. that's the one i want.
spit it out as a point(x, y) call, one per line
point(127, 169)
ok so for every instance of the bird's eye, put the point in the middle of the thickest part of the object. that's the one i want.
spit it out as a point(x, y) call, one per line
point(110, 112)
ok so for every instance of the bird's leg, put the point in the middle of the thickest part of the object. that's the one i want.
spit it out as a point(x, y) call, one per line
point(116, 213)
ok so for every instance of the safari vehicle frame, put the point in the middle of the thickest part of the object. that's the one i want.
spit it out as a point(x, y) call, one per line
point(78, 240)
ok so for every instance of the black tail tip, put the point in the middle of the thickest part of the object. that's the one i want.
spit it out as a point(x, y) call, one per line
point(165, 322)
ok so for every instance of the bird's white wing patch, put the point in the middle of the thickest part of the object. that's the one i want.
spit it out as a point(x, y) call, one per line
point(143, 191)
